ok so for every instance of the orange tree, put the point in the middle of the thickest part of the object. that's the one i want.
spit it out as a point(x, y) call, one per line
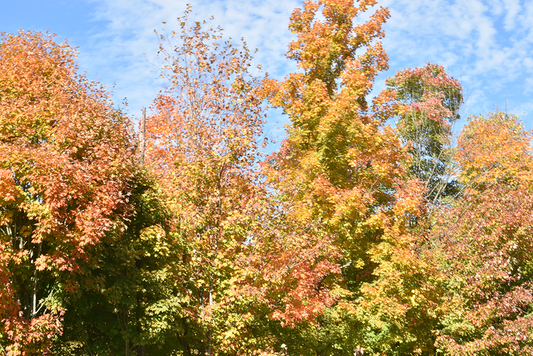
point(65, 160)
point(482, 243)
point(202, 145)
point(82, 237)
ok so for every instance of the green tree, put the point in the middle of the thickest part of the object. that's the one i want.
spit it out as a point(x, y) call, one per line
point(427, 102)
point(122, 301)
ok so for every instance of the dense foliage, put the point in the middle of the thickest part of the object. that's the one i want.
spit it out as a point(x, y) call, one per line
point(368, 230)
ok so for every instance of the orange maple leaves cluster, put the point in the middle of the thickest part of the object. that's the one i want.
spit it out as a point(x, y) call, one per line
point(65, 159)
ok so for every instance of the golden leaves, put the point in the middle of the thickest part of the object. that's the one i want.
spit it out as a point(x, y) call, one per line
point(493, 149)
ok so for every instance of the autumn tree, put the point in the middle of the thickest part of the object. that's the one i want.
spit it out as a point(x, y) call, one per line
point(121, 300)
point(65, 161)
point(461, 283)
point(352, 236)
point(427, 102)
point(202, 145)
point(482, 242)
point(340, 166)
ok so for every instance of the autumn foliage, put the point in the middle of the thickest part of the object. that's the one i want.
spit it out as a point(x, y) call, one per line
point(370, 229)
point(65, 161)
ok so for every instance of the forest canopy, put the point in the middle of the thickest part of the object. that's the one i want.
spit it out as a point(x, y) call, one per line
point(372, 229)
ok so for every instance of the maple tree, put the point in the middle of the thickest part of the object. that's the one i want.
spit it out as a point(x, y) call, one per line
point(483, 245)
point(244, 263)
point(461, 283)
point(115, 310)
point(65, 160)
point(341, 166)
point(427, 103)
point(353, 236)
point(202, 145)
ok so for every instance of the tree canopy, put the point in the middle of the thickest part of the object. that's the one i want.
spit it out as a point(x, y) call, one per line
point(371, 229)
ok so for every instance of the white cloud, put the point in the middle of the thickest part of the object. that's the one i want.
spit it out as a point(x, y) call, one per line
point(125, 50)
point(513, 8)
point(485, 43)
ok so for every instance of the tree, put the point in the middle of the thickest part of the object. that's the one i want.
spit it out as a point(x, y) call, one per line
point(483, 245)
point(65, 161)
point(202, 145)
point(123, 296)
point(341, 166)
point(427, 102)
point(459, 283)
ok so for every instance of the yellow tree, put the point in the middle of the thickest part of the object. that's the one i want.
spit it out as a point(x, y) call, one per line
point(341, 165)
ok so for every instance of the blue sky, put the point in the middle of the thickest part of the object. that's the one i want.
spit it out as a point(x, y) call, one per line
point(486, 44)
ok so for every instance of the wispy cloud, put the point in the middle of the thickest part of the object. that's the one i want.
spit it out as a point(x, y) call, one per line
point(124, 51)
point(487, 44)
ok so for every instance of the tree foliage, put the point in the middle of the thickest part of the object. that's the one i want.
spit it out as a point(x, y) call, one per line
point(65, 162)
point(367, 230)
point(428, 103)
point(483, 248)
point(202, 145)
